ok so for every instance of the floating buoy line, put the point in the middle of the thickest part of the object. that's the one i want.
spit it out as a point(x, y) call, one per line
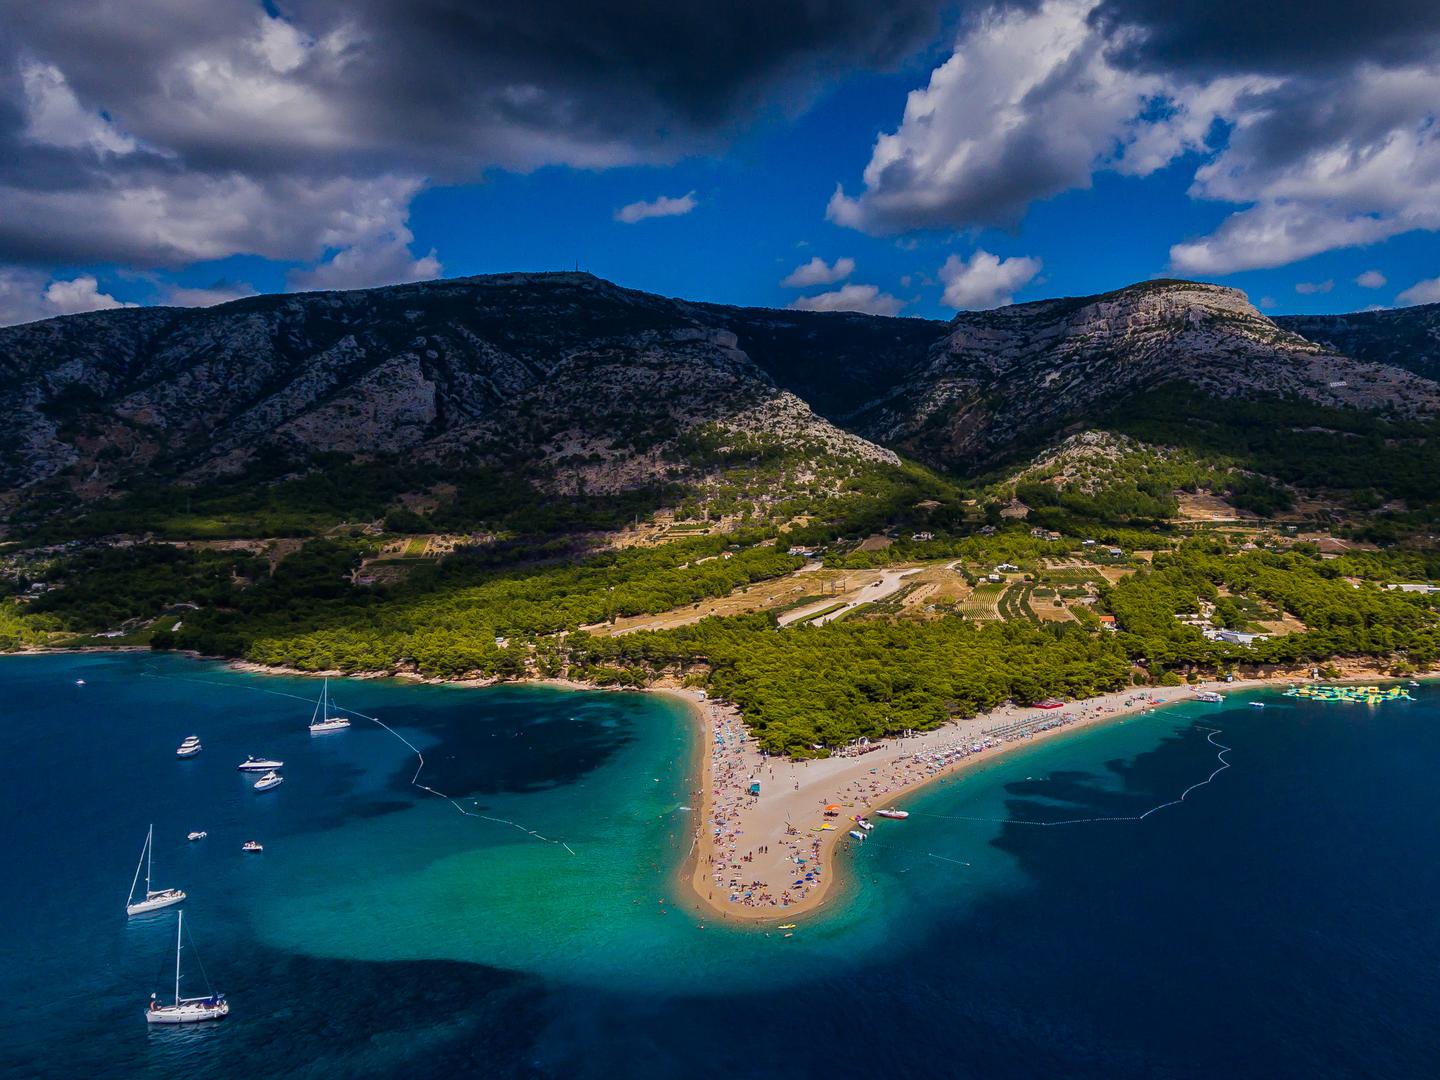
point(420, 758)
point(1224, 763)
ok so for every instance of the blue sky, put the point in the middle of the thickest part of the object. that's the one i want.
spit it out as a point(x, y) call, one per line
point(1028, 184)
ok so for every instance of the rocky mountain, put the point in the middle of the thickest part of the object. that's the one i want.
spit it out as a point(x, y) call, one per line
point(583, 385)
point(1001, 379)
point(592, 383)
point(1405, 337)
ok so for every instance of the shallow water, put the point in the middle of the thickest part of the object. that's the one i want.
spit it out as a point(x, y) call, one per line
point(1278, 922)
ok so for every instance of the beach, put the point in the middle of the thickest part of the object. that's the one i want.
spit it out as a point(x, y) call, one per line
point(771, 857)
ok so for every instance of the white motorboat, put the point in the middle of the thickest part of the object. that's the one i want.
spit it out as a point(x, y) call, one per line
point(185, 1010)
point(259, 764)
point(189, 748)
point(269, 781)
point(856, 834)
point(1257, 704)
point(197, 835)
point(896, 815)
point(321, 722)
point(1210, 697)
point(866, 825)
point(252, 846)
point(155, 899)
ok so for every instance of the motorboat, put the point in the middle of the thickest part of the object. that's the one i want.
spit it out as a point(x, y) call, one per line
point(258, 764)
point(1257, 704)
point(1211, 697)
point(269, 781)
point(197, 835)
point(866, 825)
point(155, 899)
point(895, 815)
point(185, 1010)
point(856, 834)
point(252, 846)
point(321, 722)
point(189, 748)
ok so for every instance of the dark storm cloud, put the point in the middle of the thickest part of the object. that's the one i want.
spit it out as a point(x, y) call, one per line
point(1208, 37)
point(162, 132)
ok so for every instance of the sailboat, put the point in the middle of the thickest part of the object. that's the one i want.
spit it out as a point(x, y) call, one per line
point(154, 898)
point(321, 722)
point(185, 1010)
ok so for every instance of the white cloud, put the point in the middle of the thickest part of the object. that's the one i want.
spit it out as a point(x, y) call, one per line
point(985, 280)
point(27, 295)
point(864, 298)
point(1422, 292)
point(222, 292)
point(818, 272)
point(664, 206)
point(1371, 279)
point(1036, 99)
point(55, 117)
point(1266, 302)
point(364, 266)
point(1309, 288)
point(1028, 105)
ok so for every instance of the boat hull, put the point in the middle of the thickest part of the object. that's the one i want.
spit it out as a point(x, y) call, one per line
point(155, 903)
point(328, 727)
point(187, 1013)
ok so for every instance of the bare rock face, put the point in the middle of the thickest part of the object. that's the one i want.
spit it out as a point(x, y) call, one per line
point(1002, 376)
point(1404, 337)
point(595, 384)
point(602, 389)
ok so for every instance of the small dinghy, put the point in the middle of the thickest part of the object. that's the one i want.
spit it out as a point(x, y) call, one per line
point(252, 846)
point(189, 748)
point(199, 834)
point(258, 764)
point(1257, 704)
point(895, 815)
point(155, 899)
point(269, 781)
point(321, 722)
point(185, 1010)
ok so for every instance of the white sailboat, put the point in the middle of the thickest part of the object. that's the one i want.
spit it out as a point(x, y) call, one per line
point(185, 1010)
point(321, 722)
point(154, 898)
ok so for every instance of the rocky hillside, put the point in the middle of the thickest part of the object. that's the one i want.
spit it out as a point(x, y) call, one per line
point(1406, 337)
point(1005, 378)
point(584, 386)
point(585, 382)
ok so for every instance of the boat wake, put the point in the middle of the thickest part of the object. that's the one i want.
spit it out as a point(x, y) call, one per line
point(419, 757)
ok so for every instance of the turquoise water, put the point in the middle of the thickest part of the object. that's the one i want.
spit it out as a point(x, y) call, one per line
point(1279, 921)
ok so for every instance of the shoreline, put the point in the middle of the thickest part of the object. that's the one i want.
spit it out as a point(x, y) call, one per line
point(792, 820)
point(727, 751)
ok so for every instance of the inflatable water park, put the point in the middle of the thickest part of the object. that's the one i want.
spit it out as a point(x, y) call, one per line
point(1369, 695)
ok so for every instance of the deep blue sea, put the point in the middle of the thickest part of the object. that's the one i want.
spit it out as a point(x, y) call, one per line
point(1281, 921)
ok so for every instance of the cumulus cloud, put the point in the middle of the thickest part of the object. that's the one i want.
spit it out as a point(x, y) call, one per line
point(1028, 105)
point(864, 298)
point(1371, 279)
point(1309, 288)
point(158, 133)
point(28, 295)
point(1322, 138)
point(985, 280)
point(1422, 292)
point(818, 272)
point(364, 266)
point(221, 292)
point(664, 206)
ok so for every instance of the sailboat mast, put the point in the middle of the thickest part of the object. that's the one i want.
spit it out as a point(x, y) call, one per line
point(149, 857)
point(179, 926)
